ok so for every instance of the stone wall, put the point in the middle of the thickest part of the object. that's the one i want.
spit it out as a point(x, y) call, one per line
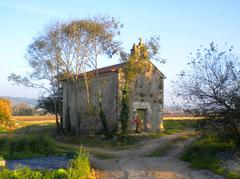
point(147, 93)
point(78, 103)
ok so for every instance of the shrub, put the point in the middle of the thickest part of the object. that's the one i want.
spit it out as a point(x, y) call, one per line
point(210, 88)
point(79, 169)
point(25, 147)
point(5, 109)
point(5, 112)
point(80, 166)
point(202, 153)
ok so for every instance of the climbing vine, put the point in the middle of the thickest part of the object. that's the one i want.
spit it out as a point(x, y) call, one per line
point(137, 63)
point(124, 111)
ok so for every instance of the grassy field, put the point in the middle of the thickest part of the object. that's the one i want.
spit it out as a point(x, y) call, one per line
point(181, 118)
point(169, 122)
point(172, 126)
point(45, 125)
point(49, 118)
point(201, 153)
point(24, 121)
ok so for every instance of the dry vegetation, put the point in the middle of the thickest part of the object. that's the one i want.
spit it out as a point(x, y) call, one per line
point(38, 119)
point(181, 118)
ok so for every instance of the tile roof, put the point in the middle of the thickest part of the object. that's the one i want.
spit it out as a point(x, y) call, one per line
point(107, 69)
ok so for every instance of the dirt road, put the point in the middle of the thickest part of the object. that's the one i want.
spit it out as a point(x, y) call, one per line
point(133, 163)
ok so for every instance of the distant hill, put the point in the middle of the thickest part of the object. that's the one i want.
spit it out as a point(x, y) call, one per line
point(16, 100)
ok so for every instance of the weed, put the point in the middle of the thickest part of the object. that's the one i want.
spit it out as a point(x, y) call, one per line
point(26, 147)
point(202, 154)
point(79, 169)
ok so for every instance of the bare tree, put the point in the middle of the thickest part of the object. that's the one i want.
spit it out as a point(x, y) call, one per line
point(63, 51)
point(100, 37)
point(44, 58)
point(210, 87)
point(92, 38)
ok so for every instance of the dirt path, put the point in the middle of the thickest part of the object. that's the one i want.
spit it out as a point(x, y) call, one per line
point(145, 147)
point(133, 163)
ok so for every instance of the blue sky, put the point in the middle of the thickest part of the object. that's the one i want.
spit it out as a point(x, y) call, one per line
point(182, 25)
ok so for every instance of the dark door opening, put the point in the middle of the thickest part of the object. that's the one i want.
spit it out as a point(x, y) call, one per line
point(142, 114)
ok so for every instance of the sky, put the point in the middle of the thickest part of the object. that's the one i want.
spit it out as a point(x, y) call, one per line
point(183, 26)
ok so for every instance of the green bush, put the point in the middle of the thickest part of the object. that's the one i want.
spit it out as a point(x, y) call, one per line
point(174, 126)
point(80, 166)
point(26, 147)
point(202, 153)
point(79, 169)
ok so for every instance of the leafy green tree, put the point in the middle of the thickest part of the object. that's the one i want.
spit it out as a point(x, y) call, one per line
point(47, 103)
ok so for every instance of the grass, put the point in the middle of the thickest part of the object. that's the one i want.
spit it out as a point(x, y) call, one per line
point(26, 147)
point(34, 118)
point(162, 151)
point(28, 127)
point(48, 129)
point(174, 126)
point(182, 118)
point(36, 129)
point(21, 122)
point(131, 141)
point(100, 141)
point(79, 168)
point(202, 155)
point(69, 151)
point(3, 130)
point(165, 149)
point(183, 137)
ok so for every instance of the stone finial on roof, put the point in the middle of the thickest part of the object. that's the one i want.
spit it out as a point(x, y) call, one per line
point(137, 49)
point(140, 42)
point(134, 49)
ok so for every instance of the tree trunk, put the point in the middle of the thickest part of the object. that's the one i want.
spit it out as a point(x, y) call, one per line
point(101, 114)
point(76, 110)
point(87, 88)
point(67, 115)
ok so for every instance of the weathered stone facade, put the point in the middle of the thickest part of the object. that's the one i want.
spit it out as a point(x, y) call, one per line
point(145, 100)
point(146, 95)
point(78, 102)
